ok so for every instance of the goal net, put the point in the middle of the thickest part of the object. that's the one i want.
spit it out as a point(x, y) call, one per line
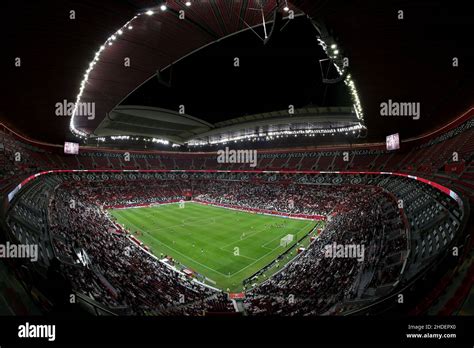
point(286, 240)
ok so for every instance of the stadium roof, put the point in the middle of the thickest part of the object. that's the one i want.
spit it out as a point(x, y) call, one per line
point(151, 122)
point(409, 59)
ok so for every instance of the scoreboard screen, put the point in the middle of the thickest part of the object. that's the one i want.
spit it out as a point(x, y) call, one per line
point(393, 142)
point(71, 148)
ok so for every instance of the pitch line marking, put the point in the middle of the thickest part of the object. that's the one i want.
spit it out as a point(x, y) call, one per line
point(250, 258)
point(184, 255)
point(296, 233)
point(247, 236)
point(184, 223)
point(193, 260)
point(209, 268)
point(255, 261)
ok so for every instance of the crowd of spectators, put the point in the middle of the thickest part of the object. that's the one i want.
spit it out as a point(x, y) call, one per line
point(287, 198)
point(105, 264)
point(314, 282)
point(102, 262)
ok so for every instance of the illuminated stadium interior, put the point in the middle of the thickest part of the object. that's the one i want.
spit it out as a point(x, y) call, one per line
point(237, 159)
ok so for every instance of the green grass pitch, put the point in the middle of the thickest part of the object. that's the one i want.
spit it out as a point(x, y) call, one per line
point(224, 245)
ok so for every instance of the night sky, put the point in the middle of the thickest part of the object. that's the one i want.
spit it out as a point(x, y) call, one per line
point(285, 71)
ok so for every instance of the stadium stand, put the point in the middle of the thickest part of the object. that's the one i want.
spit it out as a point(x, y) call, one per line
point(406, 224)
point(452, 148)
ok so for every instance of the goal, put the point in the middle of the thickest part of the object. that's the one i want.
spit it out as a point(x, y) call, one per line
point(286, 240)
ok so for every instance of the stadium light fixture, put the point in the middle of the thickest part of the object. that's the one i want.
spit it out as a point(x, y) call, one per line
point(258, 136)
point(108, 42)
point(276, 135)
point(347, 80)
